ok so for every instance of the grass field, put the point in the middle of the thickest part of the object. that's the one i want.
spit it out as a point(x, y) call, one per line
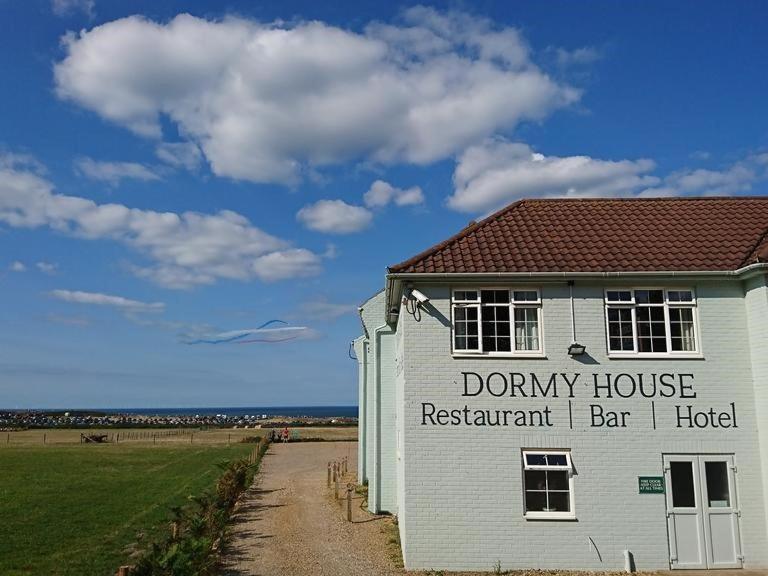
point(77, 510)
point(194, 436)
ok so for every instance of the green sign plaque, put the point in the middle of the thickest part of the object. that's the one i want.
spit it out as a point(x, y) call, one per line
point(650, 484)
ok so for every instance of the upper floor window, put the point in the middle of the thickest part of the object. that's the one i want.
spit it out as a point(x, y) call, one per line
point(651, 321)
point(497, 321)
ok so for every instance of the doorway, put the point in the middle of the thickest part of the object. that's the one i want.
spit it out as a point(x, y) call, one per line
point(702, 511)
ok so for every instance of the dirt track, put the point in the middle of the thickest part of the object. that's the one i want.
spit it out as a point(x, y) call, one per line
point(288, 524)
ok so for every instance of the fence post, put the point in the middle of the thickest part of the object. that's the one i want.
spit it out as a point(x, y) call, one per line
point(349, 502)
point(175, 530)
point(124, 571)
point(336, 489)
point(328, 482)
point(45, 438)
point(191, 437)
point(154, 439)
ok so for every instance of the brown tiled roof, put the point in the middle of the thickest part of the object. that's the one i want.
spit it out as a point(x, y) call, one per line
point(606, 235)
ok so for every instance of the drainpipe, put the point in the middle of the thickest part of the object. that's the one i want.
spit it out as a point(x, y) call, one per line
point(363, 410)
point(377, 417)
point(573, 313)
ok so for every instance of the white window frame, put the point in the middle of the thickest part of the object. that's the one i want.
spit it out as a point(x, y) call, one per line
point(479, 352)
point(667, 305)
point(538, 515)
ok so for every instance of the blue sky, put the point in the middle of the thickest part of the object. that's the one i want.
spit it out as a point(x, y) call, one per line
point(175, 172)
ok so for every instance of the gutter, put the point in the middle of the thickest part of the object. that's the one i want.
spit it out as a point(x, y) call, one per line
point(394, 279)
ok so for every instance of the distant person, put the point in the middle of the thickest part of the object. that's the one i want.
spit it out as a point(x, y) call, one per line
point(286, 434)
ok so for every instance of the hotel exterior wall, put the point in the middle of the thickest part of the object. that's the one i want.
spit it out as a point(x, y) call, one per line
point(380, 403)
point(462, 489)
point(387, 481)
point(756, 300)
point(361, 353)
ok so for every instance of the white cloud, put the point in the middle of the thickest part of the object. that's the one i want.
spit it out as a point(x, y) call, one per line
point(47, 267)
point(17, 266)
point(64, 7)
point(68, 320)
point(324, 310)
point(183, 249)
point(273, 333)
point(737, 178)
point(334, 217)
point(99, 299)
point(271, 102)
point(497, 172)
point(382, 193)
point(578, 57)
point(114, 172)
point(180, 154)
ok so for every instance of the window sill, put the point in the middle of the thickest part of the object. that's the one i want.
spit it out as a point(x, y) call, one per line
point(655, 356)
point(503, 356)
point(550, 516)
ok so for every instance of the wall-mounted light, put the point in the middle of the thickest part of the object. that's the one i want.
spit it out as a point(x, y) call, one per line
point(576, 349)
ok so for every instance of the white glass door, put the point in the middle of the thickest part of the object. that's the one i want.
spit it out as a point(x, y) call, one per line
point(702, 512)
point(687, 548)
point(721, 512)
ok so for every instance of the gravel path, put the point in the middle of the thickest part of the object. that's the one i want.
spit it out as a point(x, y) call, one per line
point(289, 525)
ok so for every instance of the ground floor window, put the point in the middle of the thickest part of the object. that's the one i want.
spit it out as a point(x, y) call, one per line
point(548, 484)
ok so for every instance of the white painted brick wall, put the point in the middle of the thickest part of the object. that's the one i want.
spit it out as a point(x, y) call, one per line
point(757, 316)
point(462, 504)
point(382, 490)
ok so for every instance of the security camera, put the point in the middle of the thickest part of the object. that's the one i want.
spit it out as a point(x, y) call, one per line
point(419, 296)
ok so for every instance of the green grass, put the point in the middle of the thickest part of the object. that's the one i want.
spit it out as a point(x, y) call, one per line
point(78, 511)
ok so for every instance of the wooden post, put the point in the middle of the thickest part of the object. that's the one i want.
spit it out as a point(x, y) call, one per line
point(229, 439)
point(191, 437)
point(154, 439)
point(175, 530)
point(328, 482)
point(45, 438)
point(124, 571)
point(335, 475)
point(349, 502)
point(336, 489)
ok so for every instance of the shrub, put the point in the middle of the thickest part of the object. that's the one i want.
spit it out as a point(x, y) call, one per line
point(193, 548)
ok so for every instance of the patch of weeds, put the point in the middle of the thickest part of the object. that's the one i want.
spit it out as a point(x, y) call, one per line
point(362, 490)
point(392, 532)
point(193, 547)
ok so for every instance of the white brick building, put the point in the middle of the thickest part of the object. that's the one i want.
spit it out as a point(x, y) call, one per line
point(493, 439)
